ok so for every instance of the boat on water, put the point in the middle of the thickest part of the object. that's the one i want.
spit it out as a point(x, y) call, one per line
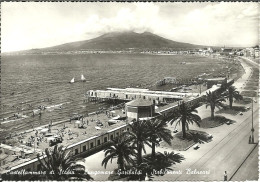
point(72, 80)
point(83, 78)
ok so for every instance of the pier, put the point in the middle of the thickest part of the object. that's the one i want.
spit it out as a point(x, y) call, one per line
point(129, 94)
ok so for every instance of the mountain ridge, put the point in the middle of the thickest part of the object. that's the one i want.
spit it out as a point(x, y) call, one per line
point(123, 40)
point(116, 41)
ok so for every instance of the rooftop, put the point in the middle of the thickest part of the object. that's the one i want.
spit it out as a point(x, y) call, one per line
point(139, 102)
point(216, 79)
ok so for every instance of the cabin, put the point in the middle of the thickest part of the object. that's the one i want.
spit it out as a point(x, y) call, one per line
point(215, 81)
point(139, 108)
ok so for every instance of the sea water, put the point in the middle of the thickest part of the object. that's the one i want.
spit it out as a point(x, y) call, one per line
point(30, 81)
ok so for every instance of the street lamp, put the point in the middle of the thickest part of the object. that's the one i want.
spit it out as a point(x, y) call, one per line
point(252, 129)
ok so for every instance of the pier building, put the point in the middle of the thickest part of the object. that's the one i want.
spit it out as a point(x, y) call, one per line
point(135, 93)
point(215, 81)
point(140, 108)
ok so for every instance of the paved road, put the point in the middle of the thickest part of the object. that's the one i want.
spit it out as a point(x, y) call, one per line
point(227, 155)
point(244, 173)
point(250, 61)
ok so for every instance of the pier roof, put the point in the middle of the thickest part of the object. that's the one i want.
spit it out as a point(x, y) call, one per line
point(139, 102)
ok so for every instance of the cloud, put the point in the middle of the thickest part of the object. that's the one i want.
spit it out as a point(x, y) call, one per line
point(32, 25)
point(140, 19)
point(220, 24)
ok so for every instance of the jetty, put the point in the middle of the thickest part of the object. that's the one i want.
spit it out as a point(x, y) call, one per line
point(129, 94)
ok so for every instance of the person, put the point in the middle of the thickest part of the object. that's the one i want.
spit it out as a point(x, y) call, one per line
point(225, 176)
point(249, 139)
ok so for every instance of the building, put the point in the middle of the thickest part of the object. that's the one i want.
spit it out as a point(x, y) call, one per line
point(226, 52)
point(215, 81)
point(139, 108)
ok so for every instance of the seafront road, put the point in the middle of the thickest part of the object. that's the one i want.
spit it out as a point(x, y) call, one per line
point(227, 155)
point(251, 162)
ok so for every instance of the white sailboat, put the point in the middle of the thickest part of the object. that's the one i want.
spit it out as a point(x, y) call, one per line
point(72, 80)
point(83, 78)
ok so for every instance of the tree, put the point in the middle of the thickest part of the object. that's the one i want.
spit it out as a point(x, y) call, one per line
point(214, 100)
point(185, 115)
point(140, 136)
point(231, 94)
point(60, 166)
point(162, 162)
point(157, 131)
point(120, 149)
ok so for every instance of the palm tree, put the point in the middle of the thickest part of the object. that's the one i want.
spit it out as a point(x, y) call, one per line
point(214, 100)
point(185, 115)
point(140, 136)
point(231, 94)
point(60, 166)
point(122, 150)
point(157, 131)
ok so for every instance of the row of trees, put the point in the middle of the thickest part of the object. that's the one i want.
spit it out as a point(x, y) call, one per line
point(215, 99)
point(128, 148)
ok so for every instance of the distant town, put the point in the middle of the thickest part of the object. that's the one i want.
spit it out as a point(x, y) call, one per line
point(206, 51)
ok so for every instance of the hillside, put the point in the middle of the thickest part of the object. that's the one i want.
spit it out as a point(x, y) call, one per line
point(121, 41)
point(115, 41)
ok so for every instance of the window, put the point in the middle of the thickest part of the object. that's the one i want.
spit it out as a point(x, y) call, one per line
point(111, 137)
point(105, 139)
point(76, 151)
point(91, 145)
point(84, 148)
point(127, 129)
point(98, 142)
point(117, 134)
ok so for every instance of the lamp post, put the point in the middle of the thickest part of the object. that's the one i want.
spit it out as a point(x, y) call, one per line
point(252, 129)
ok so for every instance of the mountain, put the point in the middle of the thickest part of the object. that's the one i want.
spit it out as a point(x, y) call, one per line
point(121, 41)
point(116, 41)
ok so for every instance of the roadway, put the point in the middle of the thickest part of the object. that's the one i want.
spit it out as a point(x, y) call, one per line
point(227, 155)
point(251, 162)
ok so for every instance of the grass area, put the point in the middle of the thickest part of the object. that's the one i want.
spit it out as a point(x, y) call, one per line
point(218, 120)
point(251, 88)
point(249, 93)
point(245, 100)
point(234, 111)
point(252, 84)
point(179, 143)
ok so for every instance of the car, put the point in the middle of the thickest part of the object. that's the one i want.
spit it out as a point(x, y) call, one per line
point(175, 131)
point(195, 147)
point(241, 113)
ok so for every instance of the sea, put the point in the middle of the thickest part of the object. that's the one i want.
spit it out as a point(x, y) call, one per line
point(31, 81)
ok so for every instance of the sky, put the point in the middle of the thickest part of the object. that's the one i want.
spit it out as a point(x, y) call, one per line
point(30, 25)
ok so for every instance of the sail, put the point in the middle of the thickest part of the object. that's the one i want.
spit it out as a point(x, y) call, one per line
point(83, 78)
point(72, 80)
